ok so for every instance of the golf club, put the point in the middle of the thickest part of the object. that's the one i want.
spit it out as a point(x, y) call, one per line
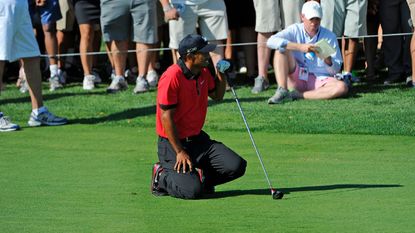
point(275, 193)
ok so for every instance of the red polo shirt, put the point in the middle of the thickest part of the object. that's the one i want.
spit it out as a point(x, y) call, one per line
point(188, 95)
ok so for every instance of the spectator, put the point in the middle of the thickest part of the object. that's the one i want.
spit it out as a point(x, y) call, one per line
point(410, 81)
point(268, 21)
point(88, 14)
point(65, 34)
point(50, 13)
point(17, 41)
point(346, 18)
point(241, 28)
point(152, 76)
point(291, 12)
point(209, 15)
point(371, 43)
point(312, 77)
point(394, 16)
point(126, 20)
point(181, 110)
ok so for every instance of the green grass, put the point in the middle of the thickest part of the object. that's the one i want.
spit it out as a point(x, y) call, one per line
point(345, 165)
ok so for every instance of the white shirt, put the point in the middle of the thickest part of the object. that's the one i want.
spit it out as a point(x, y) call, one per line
point(296, 33)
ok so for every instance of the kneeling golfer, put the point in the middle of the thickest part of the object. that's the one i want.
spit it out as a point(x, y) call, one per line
point(191, 163)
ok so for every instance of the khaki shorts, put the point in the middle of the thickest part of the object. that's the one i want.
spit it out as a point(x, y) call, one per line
point(268, 16)
point(291, 12)
point(134, 20)
point(68, 17)
point(411, 4)
point(209, 16)
point(345, 17)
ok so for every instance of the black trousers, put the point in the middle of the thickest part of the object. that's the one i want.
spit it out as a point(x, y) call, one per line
point(394, 16)
point(218, 163)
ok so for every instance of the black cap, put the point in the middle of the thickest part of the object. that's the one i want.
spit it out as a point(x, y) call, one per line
point(195, 43)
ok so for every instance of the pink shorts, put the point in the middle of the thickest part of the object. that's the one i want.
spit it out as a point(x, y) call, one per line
point(311, 84)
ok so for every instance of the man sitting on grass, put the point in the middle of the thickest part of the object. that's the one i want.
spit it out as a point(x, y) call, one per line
point(296, 66)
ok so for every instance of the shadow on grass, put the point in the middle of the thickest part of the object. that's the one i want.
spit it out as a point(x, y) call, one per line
point(145, 111)
point(25, 98)
point(126, 114)
point(222, 194)
point(231, 100)
point(364, 88)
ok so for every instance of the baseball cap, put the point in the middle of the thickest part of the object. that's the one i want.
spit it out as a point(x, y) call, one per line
point(195, 43)
point(312, 9)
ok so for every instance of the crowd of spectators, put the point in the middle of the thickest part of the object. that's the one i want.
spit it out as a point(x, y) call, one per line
point(66, 26)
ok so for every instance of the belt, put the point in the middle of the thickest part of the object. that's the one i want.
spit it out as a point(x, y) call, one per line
point(186, 139)
point(190, 139)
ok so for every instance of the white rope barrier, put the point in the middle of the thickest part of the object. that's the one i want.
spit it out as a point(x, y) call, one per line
point(221, 45)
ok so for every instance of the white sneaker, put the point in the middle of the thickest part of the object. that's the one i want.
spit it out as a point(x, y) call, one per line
point(54, 83)
point(46, 118)
point(152, 78)
point(118, 84)
point(88, 83)
point(141, 85)
point(6, 125)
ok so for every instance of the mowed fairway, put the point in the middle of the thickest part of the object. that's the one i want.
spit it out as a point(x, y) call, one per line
point(345, 165)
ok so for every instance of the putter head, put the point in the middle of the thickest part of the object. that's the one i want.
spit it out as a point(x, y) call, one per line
point(277, 194)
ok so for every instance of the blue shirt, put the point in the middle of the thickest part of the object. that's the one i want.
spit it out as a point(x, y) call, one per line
point(296, 33)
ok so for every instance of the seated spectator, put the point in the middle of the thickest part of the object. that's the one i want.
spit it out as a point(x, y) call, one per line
point(310, 77)
point(17, 41)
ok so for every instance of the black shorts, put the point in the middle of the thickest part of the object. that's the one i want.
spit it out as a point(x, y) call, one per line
point(87, 12)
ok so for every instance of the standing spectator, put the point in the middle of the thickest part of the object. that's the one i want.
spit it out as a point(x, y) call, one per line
point(183, 147)
point(291, 12)
point(346, 18)
point(394, 16)
point(241, 28)
point(17, 41)
point(410, 81)
point(88, 14)
point(50, 13)
point(268, 21)
point(65, 35)
point(371, 43)
point(309, 77)
point(126, 20)
point(209, 15)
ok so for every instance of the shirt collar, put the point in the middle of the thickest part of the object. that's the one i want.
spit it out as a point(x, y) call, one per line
point(187, 73)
